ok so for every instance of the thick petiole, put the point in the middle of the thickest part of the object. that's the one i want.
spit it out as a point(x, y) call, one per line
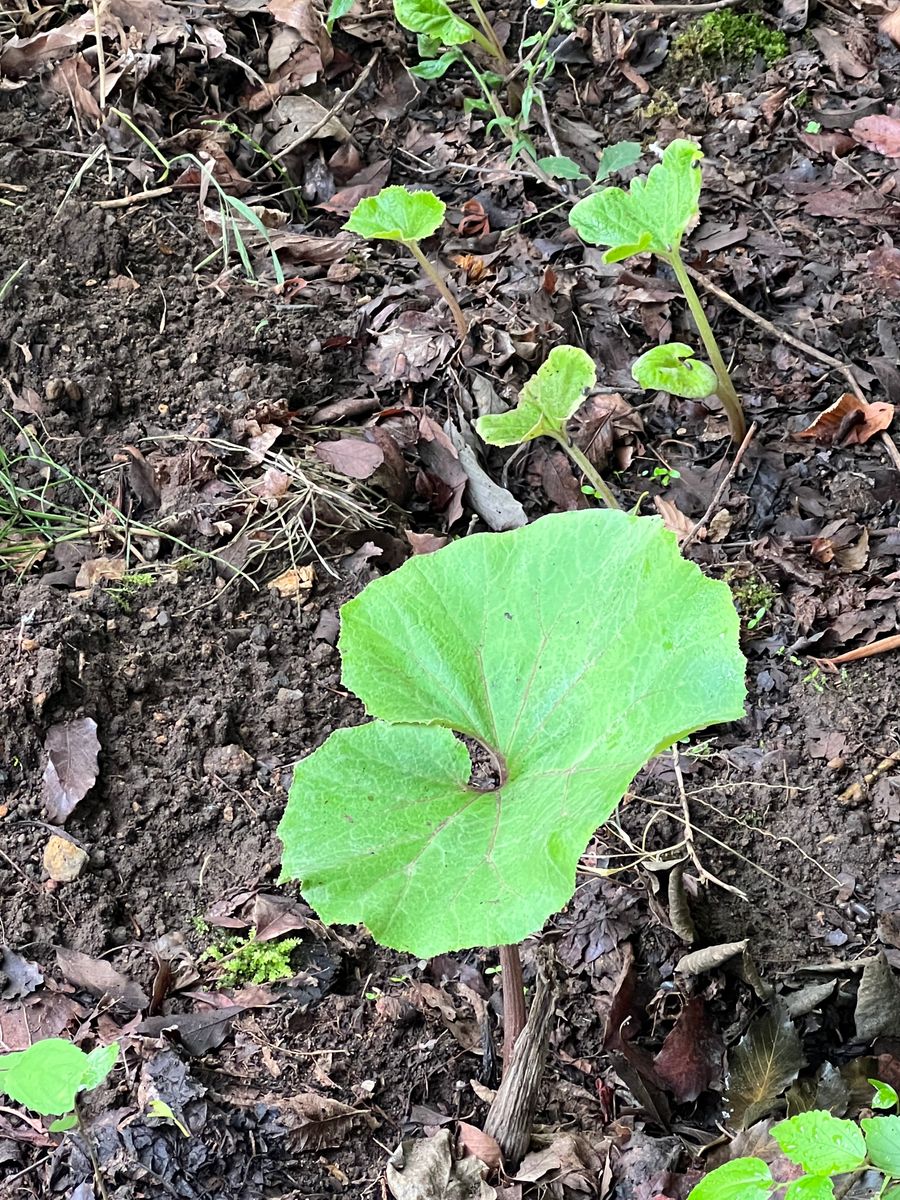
point(587, 469)
point(442, 286)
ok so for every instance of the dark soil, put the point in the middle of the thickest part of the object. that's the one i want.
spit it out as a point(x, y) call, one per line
point(206, 687)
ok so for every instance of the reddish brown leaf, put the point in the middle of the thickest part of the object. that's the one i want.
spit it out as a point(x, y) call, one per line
point(879, 133)
point(691, 1056)
point(884, 263)
point(425, 543)
point(831, 141)
point(890, 24)
point(367, 182)
point(473, 1140)
point(351, 456)
point(71, 771)
point(849, 422)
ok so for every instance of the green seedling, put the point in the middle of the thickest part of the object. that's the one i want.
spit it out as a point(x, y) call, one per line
point(652, 217)
point(672, 368)
point(398, 215)
point(164, 1112)
point(552, 648)
point(825, 1147)
point(437, 21)
point(246, 960)
point(545, 404)
point(665, 475)
point(48, 1076)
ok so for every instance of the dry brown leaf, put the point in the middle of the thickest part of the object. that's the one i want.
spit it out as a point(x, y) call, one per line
point(425, 543)
point(473, 1140)
point(884, 264)
point(849, 421)
point(352, 456)
point(301, 117)
point(879, 133)
point(838, 55)
point(72, 749)
point(424, 1169)
point(710, 957)
point(367, 182)
point(674, 518)
point(72, 77)
point(21, 57)
point(95, 975)
point(890, 25)
point(317, 1122)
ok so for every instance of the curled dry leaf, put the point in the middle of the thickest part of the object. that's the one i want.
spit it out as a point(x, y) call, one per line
point(849, 422)
point(95, 975)
point(316, 1122)
point(72, 750)
point(424, 1169)
point(473, 1140)
point(673, 518)
point(18, 976)
point(890, 25)
point(295, 581)
point(709, 958)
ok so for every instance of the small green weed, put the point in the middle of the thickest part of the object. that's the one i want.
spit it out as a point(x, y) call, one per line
point(729, 36)
point(245, 960)
point(124, 589)
point(754, 597)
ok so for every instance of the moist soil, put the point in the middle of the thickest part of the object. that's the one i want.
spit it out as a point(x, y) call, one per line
point(207, 685)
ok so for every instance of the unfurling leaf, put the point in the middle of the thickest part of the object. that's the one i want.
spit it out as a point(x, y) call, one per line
point(820, 1143)
point(672, 368)
point(48, 1076)
point(397, 215)
point(546, 401)
point(652, 215)
point(885, 1095)
point(766, 1060)
point(436, 19)
point(882, 1143)
point(741, 1179)
point(336, 10)
point(554, 646)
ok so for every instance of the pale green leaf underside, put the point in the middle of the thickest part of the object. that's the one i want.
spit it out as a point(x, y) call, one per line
point(48, 1075)
point(652, 215)
point(741, 1179)
point(546, 401)
point(821, 1143)
point(673, 368)
point(577, 648)
point(397, 215)
point(434, 18)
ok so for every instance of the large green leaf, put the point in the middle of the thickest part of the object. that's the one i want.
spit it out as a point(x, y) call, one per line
point(883, 1143)
point(436, 19)
point(673, 368)
point(49, 1075)
point(740, 1179)
point(820, 1143)
point(546, 401)
point(575, 649)
point(397, 215)
point(652, 215)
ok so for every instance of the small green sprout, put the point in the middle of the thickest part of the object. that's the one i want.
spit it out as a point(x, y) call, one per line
point(813, 127)
point(665, 475)
point(48, 1076)
point(824, 1146)
point(399, 215)
point(164, 1112)
point(652, 217)
point(246, 960)
point(545, 404)
point(436, 20)
point(672, 368)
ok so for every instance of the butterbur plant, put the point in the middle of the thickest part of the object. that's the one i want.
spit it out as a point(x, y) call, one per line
point(563, 655)
point(398, 215)
point(824, 1147)
point(652, 217)
point(547, 401)
point(436, 21)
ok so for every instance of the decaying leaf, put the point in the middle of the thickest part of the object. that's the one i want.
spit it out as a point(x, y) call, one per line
point(295, 581)
point(424, 1169)
point(878, 1002)
point(849, 421)
point(318, 1122)
point(72, 749)
point(351, 456)
point(765, 1062)
point(709, 957)
point(475, 1141)
point(691, 1056)
point(18, 976)
point(879, 133)
point(197, 1032)
point(571, 1160)
point(95, 975)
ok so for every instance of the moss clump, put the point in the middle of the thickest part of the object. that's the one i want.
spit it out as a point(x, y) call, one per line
point(754, 597)
point(728, 35)
point(245, 960)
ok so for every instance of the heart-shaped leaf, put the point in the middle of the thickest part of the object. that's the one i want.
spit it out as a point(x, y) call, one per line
point(672, 368)
point(885, 1095)
point(397, 215)
point(820, 1143)
point(741, 1179)
point(883, 1143)
point(546, 401)
point(652, 215)
point(436, 19)
point(49, 1075)
point(572, 650)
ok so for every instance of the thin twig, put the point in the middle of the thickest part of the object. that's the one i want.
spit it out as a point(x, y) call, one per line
point(881, 646)
point(336, 109)
point(135, 198)
point(717, 494)
point(663, 8)
point(101, 57)
point(788, 338)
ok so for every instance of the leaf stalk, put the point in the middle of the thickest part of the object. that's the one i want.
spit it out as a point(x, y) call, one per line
point(587, 468)
point(442, 286)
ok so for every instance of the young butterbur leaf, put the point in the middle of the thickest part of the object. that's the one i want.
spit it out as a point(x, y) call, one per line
point(810, 1187)
point(397, 215)
point(49, 1075)
point(559, 166)
point(673, 368)
point(820, 1143)
point(546, 401)
point(740, 1179)
point(882, 1143)
point(555, 647)
point(652, 215)
point(885, 1095)
point(436, 19)
point(617, 157)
